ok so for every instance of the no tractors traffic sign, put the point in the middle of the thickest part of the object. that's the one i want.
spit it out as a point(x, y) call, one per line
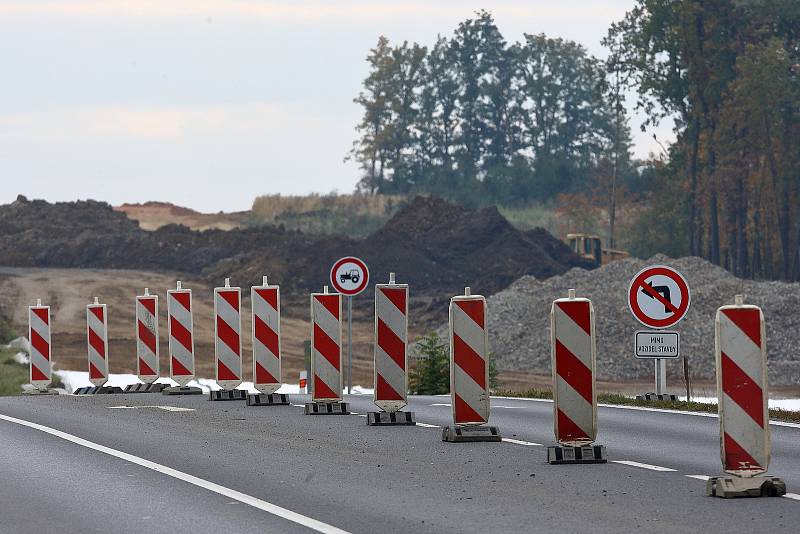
point(349, 276)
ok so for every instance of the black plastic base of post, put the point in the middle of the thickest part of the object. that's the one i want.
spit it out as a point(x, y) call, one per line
point(654, 397)
point(391, 418)
point(327, 408)
point(731, 487)
point(182, 390)
point(37, 391)
point(457, 434)
point(271, 399)
point(227, 395)
point(587, 454)
point(145, 388)
point(95, 390)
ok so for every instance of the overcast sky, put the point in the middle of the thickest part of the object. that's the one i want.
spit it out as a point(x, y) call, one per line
point(209, 103)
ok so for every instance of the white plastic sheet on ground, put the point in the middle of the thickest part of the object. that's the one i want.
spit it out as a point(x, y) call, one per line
point(77, 379)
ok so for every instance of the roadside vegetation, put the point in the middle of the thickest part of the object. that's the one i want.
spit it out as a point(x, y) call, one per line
point(356, 215)
point(618, 399)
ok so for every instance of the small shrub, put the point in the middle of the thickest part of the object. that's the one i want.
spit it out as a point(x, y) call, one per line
point(431, 374)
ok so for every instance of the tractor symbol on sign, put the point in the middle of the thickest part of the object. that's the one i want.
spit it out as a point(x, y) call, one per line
point(353, 275)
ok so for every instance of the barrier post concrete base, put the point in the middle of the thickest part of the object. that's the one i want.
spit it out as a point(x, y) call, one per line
point(95, 390)
point(391, 418)
point(657, 397)
point(327, 408)
point(182, 390)
point(273, 399)
point(587, 454)
point(458, 433)
point(145, 388)
point(227, 395)
point(730, 487)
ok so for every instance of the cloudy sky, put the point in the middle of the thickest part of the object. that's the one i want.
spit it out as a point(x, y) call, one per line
point(208, 103)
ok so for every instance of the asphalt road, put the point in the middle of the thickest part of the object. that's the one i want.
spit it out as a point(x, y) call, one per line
point(222, 466)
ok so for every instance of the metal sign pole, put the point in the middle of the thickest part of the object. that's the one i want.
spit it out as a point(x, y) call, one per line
point(349, 345)
point(661, 376)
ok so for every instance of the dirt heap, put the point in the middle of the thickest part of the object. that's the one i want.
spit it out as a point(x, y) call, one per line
point(435, 246)
point(519, 319)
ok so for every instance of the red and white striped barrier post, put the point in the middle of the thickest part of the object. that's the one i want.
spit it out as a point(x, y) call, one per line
point(147, 353)
point(97, 342)
point(574, 357)
point(326, 355)
point(742, 390)
point(41, 365)
point(469, 371)
point(266, 309)
point(97, 349)
point(180, 326)
point(391, 355)
point(228, 342)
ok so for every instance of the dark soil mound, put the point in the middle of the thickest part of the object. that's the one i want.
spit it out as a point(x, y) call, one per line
point(436, 247)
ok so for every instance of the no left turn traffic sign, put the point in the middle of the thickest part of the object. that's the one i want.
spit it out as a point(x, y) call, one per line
point(658, 296)
point(349, 276)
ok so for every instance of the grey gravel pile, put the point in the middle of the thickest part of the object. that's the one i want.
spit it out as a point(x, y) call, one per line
point(519, 326)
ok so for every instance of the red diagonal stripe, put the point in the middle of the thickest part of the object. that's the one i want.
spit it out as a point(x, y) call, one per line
point(322, 391)
point(568, 430)
point(94, 372)
point(39, 343)
point(742, 390)
point(326, 346)
point(469, 361)
point(578, 311)
point(228, 335)
point(397, 296)
point(573, 372)
point(37, 374)
point(383, 391)
point(147, 337)
point(231, 297)
point(270, 296)
point(149, 304)
point(223, 373)
point(98, 312)
point(736, 457)
point(391, 344)
point(748, 321)
point(656, 295)
point(180, 334)
point(178, 368)
point(266, 335)
point(331, 303)
point(473, 309)
point(97, 343)
point(42, 314)
point(465, 413)
point(184, 298)
point(263, 376)
point(144, 369)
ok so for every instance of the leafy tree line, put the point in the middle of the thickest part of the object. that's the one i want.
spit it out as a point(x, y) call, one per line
point(728, 73)
point(477, 120)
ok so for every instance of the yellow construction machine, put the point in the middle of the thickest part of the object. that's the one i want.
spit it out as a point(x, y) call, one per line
point(590, 247)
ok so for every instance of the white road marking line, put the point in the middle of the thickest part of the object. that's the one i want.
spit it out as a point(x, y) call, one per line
point(644, 466)
point(440, 404)
point(793, 496)
point(166, 408)
point(646, 409)
point(509, 407)
point(265, 506)
point(698, 477)
point(426, 425)
point(359, 414)
point(299, 405)
point(521, 442)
